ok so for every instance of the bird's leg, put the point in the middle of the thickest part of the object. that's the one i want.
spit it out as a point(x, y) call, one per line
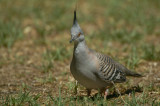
point(104, 92)
point(114, 90)
point(76, 86)
point(88, 92)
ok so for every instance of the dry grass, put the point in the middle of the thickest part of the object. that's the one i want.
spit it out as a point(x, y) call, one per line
point(34, 68)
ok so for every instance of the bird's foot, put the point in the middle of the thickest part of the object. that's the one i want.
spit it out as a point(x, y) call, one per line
point(88, 92)
point(106, 93)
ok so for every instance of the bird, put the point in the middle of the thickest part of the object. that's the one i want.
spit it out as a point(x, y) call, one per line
point(92, 69)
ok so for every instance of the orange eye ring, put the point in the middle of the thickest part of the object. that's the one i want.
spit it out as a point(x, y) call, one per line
point(79, 34)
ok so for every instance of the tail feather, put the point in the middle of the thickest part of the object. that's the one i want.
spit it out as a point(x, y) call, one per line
point(128, 72)
point(134, 74)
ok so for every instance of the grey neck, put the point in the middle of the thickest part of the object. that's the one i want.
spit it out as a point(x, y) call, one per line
point(80, 46)
point(76, 44)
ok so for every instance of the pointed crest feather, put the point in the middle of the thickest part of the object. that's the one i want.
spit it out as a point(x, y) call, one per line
point(75, 17)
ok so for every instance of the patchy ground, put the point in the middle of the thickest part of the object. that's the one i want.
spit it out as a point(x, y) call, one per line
point(34, 69)
point(23, 70)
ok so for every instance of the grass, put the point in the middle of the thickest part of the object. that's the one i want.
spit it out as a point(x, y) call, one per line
point(134, 59)
point(25, 98)
point(22, 99)
point(127, 21)
point(35, 53)
point(150, 52)
point(48, 79)
point(9, 33)
point(60, 54)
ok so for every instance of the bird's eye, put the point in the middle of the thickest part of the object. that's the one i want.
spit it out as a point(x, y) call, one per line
point(79, 34)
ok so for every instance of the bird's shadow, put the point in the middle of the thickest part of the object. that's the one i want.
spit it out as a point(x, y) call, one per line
point(113, 95)
point(127, 91)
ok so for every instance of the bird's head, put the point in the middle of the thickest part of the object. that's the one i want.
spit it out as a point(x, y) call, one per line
point(76, 32)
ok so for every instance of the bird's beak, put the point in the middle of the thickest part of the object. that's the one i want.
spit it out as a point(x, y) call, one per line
point(72, 39)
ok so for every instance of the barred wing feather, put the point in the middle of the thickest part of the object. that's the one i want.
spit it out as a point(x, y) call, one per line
point(109, 70)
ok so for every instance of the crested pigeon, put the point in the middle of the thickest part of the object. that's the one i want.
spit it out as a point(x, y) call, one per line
point(91, 69)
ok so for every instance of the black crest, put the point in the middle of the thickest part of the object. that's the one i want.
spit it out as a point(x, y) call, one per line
point(75, 18)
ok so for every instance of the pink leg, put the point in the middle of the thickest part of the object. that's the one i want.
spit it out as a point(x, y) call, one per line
point(106, 93)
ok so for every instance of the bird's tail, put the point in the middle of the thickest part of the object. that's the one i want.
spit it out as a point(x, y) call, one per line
point(133, 74)
point(128, 72)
